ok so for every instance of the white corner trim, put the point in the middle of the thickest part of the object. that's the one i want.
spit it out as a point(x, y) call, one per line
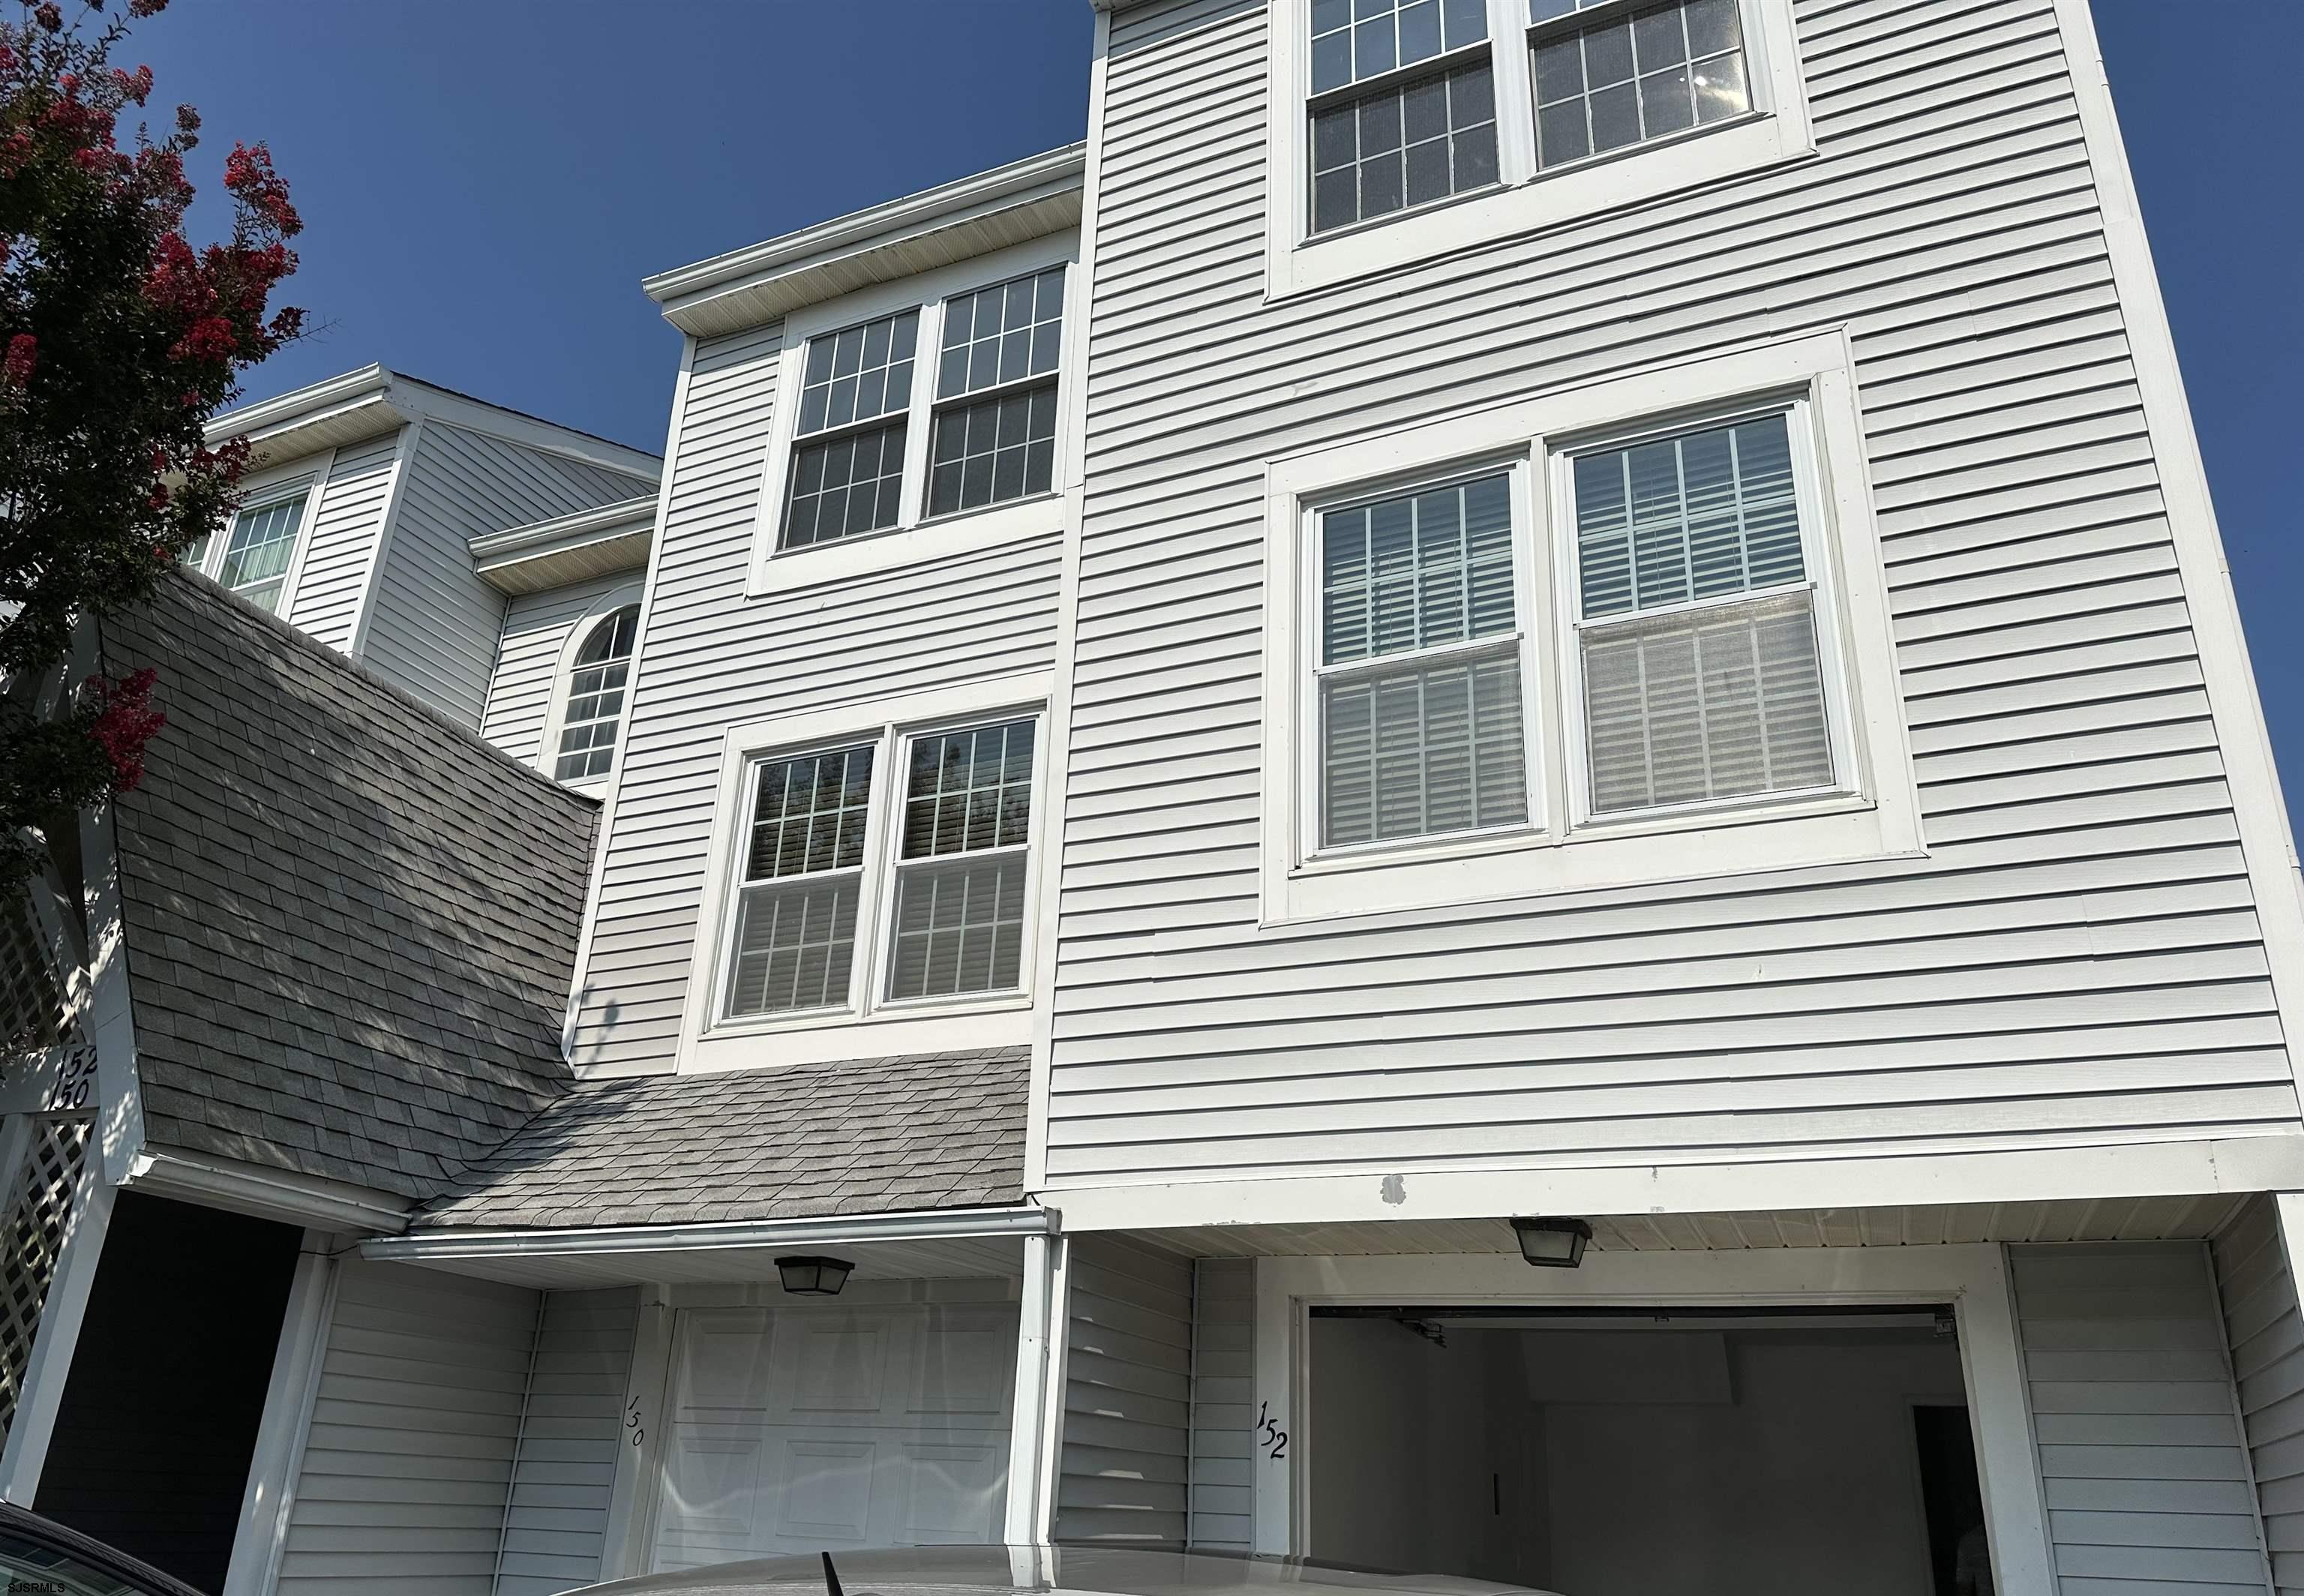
point(379, 549)
point(1973, 1279)
point(108, 1015)
point(288, 1400)
point(1055, 791)
point(277, 1194)
point(1523, 199)
point(915, 539)
point(1875, 815)
point(2267, 840)
point(866, 1029)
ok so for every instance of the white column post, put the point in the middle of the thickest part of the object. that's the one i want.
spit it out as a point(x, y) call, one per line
point(632, 1498)
point(50, 1365)
point(287, 1415)
point(1036, 1436)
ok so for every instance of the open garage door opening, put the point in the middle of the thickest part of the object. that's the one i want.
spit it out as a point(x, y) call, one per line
point(1624, 1451)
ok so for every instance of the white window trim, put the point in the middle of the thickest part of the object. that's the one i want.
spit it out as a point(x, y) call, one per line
point(712, 1039)
point(1876, 817)
point(916, 537)
point(1523, 198)
point(260, 490)
point(564, 672)
point(1972, 1278)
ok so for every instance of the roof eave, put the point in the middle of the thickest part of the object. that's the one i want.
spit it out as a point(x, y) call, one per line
point(568, 548)
point(749, 287)
point(343, 409)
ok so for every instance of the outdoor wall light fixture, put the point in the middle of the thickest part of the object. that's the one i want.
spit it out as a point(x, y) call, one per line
point(1553, 1244)
point(814, 1277)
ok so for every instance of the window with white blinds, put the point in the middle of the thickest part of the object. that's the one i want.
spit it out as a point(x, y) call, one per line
point(855, 891)
point(1419, 668)
point(255, 555)
point(1673, 651)
point(1696, 628)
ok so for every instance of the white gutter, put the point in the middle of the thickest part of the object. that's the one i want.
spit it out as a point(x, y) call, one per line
point(333, 396)
point(272, 1194)
point(949, 1224)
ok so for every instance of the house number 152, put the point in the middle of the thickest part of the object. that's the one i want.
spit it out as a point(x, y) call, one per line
point(1270, 1435)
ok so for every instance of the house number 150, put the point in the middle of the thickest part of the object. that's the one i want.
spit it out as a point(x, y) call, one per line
point(1270, 1435)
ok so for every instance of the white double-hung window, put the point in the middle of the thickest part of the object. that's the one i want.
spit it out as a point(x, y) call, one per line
point(886, 872)
point(253, 556)
point(923, 417)
point(1559, 654)
point(1509, 114)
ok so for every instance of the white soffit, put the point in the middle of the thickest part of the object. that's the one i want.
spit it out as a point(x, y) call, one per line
point(749, 287)
point(604, 541)
point(2076, 1219)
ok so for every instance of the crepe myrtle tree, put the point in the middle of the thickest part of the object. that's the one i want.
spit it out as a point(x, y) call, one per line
point(119, 338)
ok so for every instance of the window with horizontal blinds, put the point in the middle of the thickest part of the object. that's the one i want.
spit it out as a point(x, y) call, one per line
point(1696, 636)
point(803, 881)
point(960, 873)
point(1421, 723)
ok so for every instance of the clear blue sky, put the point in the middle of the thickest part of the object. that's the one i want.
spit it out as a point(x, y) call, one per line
point(484, 182)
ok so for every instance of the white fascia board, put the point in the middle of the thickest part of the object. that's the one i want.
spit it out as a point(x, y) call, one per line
point(949, 1224)
point(748, 287)
point(342, 410)
point(302, 1200)
point(546, 554)
point(2273, 1162)
point(416, 397)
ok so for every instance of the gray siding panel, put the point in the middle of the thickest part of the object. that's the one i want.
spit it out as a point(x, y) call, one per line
point(436, 624)
point(340, 552)
point(409, 1457)
point(2078, 960)
point(2141, 1459)
point(2266, 1336)
point(556, 1526)
point(712, 659)
point(1127, 1395)
point(1224, 1405)
point(527, 682)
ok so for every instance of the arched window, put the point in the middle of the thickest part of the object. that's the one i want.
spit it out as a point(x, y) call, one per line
point(596, 697)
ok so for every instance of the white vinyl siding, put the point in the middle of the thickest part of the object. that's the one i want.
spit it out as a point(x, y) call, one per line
point(2266, 1336)
point(1223, 1409)
point(524, 691)
point(2145, 1477)
point(571, 1432)
point(2076, 958)
point(408, 1459)
point(713, 657)
point(341, 548)
point(1125, 1464)
point(433, 624)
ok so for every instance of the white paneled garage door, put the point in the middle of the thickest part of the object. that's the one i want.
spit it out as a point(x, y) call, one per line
point(815, 1427)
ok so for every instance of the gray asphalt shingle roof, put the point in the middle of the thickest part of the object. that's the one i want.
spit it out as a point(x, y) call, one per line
point(350, 923)
point(880, 1135)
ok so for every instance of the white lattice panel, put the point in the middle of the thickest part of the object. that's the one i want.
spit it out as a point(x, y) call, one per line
point(31, 1238)
point(32, 1003)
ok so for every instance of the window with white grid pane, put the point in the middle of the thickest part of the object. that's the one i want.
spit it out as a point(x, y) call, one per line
point(848, 450)
point(959, 922)
point(258, 549)
point(596, 697)
point(1419, 687)
point(1507, 115)
point(1694, 633)
point(887, 873)
point(803, 881)
point(925, 418)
